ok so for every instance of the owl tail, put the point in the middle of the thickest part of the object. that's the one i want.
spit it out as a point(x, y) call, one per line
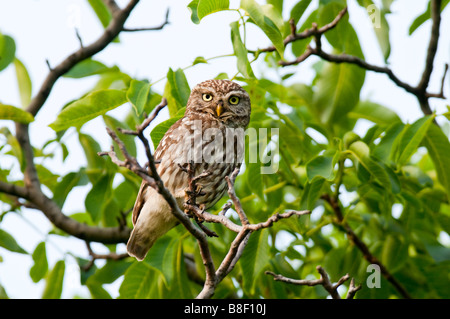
point(140, 243)
point(148, 228)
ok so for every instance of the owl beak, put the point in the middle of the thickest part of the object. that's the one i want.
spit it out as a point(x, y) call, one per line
point(219, 109)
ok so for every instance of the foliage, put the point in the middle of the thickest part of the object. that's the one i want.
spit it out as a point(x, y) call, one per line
point(392, 183)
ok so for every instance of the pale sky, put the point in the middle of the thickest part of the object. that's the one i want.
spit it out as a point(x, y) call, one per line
point(45, 30)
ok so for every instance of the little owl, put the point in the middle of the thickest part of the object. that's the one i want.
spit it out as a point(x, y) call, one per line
point(210, 135)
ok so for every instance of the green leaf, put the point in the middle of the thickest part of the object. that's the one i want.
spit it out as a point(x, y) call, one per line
point(7, 50)
point(101, 11)
point(206, 7)
point(255, 258)
point(23, 82)
point(9, 112)
point(192, 6)
point(87, 108)
point(68, 182)
point(380, 25)
point(91, 148)
point(140, 282)
point(425, 16)
point(375, 113)
point(85, 68)
point(323, 166)
point(8, 242)
point(110, 272)
point(342, 37)
point(40, 267)
point(338, 91)
point(259, 15)
point(161, 257)
point(97, 197)
point(138, 94)
point(383, 150)
point(438, 147)
point(299, 46)
point(311, 193)
point(54, 286)
point(128, 140)
point(362, 153)
point(176, 91)
point(243, 64)
point(298, 10)
point(159, 130)
point(254, 179)
point(395, 253)
point(199, 60)
point(409, 139)
point(97, 291)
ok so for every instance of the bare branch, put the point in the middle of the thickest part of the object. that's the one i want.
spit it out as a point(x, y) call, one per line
point(308, 32)
point(340, 222)
point(112, 6)
point(32, 191)
point(110, 33)
point(323, 281)
point(237, 204)
point(441, 94)
point(420, 91)
point(110, 256)
point(159, 27)
point(352, 289)
point(432, 46)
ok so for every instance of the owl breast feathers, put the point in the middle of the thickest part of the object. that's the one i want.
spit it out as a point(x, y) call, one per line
point(211, 136)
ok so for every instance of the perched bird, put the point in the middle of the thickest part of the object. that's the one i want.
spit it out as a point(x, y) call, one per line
point(211, 136)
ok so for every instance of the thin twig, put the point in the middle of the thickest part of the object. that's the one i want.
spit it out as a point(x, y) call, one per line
point(159, 27)
point(420, 91)
point(109, 256)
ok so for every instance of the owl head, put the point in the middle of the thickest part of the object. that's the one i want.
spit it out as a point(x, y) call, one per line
point(224, 100)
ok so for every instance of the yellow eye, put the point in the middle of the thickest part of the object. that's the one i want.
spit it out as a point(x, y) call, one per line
point(234, 100)
point(207, 97)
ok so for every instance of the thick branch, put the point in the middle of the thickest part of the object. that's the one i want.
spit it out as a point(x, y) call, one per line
point(32, 190)
point(110, 33)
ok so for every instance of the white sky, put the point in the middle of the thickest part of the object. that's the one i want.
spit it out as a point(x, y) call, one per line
point(44, 30)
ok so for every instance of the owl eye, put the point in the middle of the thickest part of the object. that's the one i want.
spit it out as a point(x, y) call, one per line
point(207, 97)
point(234, 100)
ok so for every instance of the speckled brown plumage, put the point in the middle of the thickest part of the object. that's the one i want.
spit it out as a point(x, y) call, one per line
point(210, 134)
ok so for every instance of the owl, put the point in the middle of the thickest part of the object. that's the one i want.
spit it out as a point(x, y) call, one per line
point(209, 135)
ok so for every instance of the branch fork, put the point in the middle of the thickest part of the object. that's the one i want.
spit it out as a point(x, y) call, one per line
point(324, 281)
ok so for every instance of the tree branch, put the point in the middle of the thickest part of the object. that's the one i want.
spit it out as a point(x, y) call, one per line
point(323, 281)
point(340, 222)
point(159, 27)
point(32, 190)
point(95, 256)
point(420, 91)
point(432, 46)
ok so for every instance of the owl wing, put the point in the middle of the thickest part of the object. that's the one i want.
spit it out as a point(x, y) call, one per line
point(140, 201)
point(162, 146)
